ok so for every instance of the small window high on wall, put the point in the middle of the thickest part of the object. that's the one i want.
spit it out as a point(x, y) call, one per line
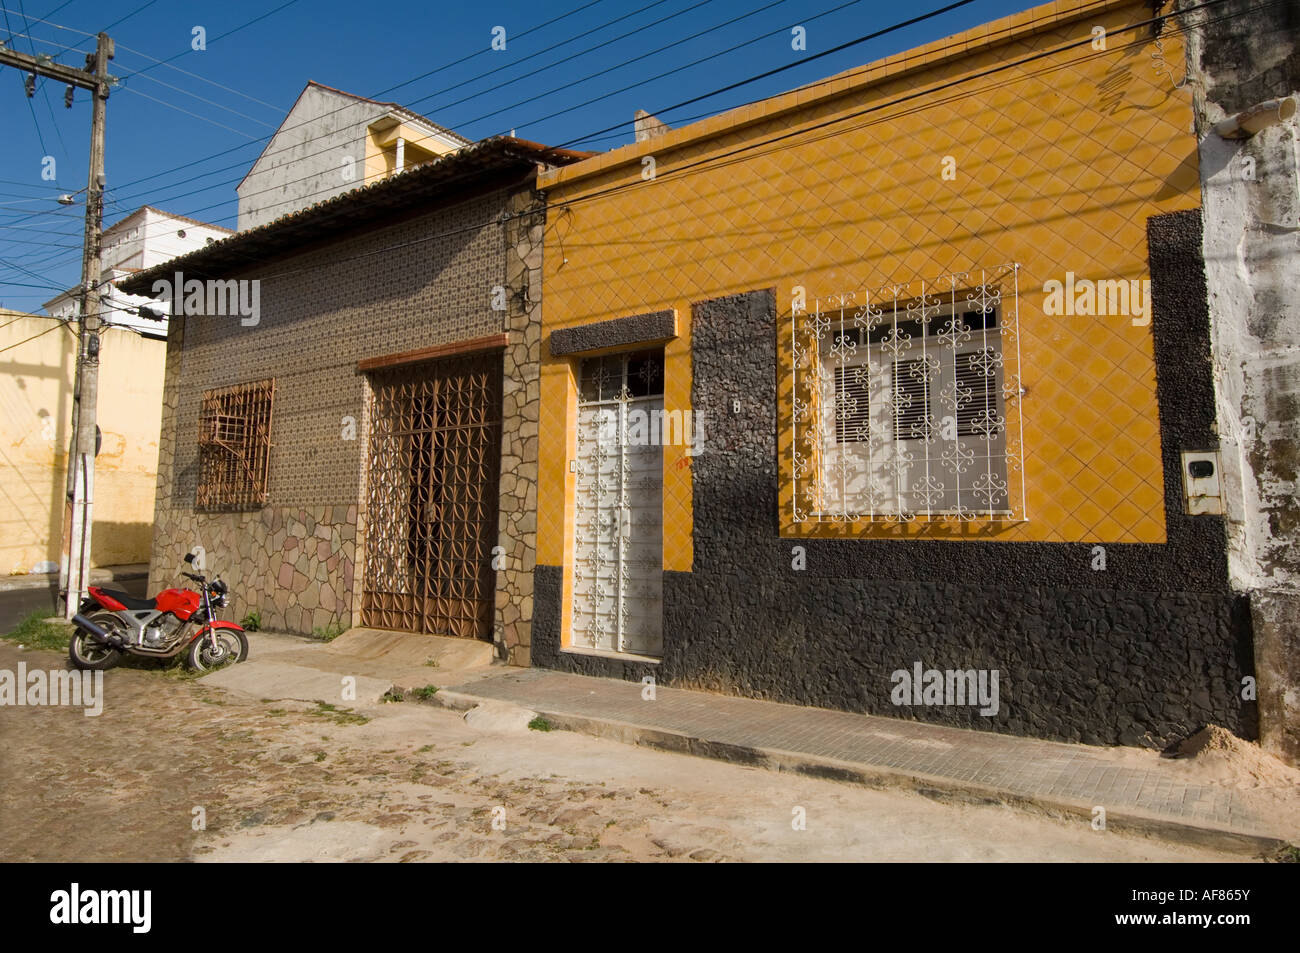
point(235, 446)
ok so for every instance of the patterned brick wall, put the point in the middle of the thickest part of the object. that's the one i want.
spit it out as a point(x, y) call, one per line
point(420, 283)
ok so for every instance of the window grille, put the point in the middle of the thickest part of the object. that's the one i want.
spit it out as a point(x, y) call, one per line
point(235, 446)
point(907, 403)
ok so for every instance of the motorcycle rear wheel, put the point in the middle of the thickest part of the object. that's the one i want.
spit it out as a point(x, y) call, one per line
point(88, 654)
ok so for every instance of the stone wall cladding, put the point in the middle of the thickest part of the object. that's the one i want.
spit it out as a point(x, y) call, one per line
point(295, 566)
point(521, 405)
point(421, 282)
point(1144, 653)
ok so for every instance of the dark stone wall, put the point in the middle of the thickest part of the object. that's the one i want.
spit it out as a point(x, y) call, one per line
point(617, 332)
point(1146, 652)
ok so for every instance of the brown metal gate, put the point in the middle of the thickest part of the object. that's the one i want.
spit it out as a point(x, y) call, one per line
point(435, 445)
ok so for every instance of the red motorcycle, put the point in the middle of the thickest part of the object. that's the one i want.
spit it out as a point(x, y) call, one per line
point(111, 624)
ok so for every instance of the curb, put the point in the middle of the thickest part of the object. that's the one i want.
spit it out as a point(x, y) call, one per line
point(879, 777)
point(98, 577)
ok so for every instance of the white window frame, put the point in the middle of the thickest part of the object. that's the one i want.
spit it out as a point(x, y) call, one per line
point(951, 460)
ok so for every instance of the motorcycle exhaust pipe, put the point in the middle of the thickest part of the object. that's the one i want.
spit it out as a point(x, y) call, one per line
point(96, 632)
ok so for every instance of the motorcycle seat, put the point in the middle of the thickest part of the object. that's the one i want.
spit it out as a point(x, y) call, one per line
point(130, 601)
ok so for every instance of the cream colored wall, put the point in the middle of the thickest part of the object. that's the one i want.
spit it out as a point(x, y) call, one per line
point(37, 359)
point(381, 149)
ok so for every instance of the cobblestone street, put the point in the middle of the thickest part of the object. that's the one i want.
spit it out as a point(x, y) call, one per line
point(412, 782)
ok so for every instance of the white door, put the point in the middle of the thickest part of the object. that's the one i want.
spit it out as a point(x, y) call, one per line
point(617, 603)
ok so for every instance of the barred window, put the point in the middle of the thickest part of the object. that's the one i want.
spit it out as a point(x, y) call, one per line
point(906, 403)
point(235, 446)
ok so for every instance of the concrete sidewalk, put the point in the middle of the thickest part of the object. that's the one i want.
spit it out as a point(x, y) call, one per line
point(1139, 791)
point(102, 576)
point(284, 666)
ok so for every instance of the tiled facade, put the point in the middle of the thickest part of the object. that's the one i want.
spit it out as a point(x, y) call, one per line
point(1059, 163)
point(954, 158)
point(423, 282)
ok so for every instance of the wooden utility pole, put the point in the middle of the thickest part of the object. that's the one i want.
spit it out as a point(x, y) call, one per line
point(74, 571)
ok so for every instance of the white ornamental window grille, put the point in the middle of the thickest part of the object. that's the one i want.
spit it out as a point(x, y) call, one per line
point(907, 403)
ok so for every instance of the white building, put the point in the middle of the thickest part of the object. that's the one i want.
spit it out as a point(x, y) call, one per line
point(145, 238)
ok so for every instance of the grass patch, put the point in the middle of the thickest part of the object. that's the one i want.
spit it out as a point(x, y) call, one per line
point(425, 693)
point(328, 633)
point(38, 631)
point(340, 716)
point(393, 695)
point(175, 668)
point(424, 749)
point(540, 724)
point(253, 621)
point(432, 662)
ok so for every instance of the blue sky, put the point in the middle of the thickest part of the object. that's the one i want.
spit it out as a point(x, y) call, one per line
point(181, 133)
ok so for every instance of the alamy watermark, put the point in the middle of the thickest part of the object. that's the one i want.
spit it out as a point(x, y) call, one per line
point(75, 905)
point(650, 428)
point(922, 686)
point(213, 298)
point(1110, 296)
point(40, 688)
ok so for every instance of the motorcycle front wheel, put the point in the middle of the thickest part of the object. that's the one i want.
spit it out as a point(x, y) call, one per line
point(232, 646)
point(87, 653)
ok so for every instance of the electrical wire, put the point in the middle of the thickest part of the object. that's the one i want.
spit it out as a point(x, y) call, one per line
point(872, 109)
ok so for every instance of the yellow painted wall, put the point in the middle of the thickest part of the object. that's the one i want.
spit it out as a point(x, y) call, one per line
point(381, 149)
point(35, 427)
point(1059, 163)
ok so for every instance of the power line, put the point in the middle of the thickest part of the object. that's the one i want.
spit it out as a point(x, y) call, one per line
point(807, 59)
point(187, 166)
point(741, 83)
point(163, 102)
point(407, 82)
point(731, 155)
point(220, 125)
point(704, 59)
point(53, 327)
point(32, 109)
point(220, 36)
point(694, 63)
point(996, 69)
point(139, 9)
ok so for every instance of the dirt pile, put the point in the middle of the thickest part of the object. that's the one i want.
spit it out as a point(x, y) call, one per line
point(1218, 756)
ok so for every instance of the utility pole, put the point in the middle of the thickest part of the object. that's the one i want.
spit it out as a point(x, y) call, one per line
point(74, 571)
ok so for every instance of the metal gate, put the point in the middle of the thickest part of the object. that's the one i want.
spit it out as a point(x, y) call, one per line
point(617, 603)
point(435, 445)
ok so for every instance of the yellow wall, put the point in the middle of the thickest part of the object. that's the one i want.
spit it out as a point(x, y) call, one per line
point(35, 426)
point(1059, 164)
point(381, 148)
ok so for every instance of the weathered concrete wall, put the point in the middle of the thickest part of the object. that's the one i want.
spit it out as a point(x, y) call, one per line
point(35, 418)
point(1239, 55)
point(304, 162)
